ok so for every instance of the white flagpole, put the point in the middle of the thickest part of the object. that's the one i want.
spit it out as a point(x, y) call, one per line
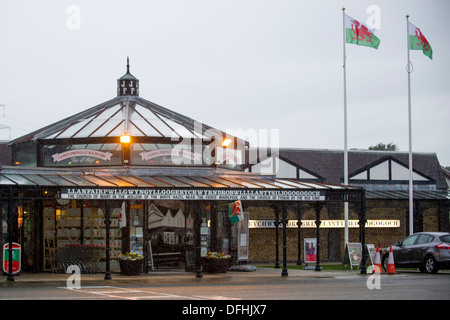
point(411, 200)
point(345, 131)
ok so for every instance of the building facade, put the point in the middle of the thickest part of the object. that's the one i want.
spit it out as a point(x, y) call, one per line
point(131, 175)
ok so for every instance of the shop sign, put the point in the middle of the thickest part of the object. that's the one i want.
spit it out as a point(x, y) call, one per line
point(261, 224)
point(105, 156)
point(16, 260)
point(190, 194)
point(181, 153)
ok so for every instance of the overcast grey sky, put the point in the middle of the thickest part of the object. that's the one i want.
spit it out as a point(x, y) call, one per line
point(234, 64)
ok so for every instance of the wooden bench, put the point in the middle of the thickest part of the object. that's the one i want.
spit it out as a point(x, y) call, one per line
point(167, 259)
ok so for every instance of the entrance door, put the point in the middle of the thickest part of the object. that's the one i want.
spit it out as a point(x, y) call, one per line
point(28, 213)
point(170, 233)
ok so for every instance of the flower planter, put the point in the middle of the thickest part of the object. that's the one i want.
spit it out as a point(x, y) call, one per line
point(130, 267)
point(215, 265)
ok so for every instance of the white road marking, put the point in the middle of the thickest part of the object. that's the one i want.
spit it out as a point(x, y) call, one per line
point(127, 294)
point(216, 298)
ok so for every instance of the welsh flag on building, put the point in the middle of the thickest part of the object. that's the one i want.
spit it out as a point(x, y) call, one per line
point(417, 41)
point(358, 33)
point(235, 211)
point(122, 216)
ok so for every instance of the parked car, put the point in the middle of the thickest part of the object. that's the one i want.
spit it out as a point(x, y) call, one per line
point(428, 251)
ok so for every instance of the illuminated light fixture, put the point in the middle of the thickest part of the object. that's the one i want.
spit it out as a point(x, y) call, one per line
point(125, 139)
point(226, 142)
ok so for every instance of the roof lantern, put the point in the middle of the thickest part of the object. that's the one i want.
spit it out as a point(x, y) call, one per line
point(128, 85)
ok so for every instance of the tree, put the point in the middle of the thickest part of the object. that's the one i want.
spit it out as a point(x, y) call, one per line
point(386, 147)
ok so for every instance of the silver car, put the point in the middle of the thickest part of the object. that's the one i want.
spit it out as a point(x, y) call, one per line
point(428, 251)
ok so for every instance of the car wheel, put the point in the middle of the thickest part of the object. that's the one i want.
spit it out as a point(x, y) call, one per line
point(429, 265)
point(385, 262)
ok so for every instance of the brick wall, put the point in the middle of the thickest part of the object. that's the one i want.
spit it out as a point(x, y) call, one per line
point(263, 241)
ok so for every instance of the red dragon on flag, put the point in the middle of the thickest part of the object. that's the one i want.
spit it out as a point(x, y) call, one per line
point(422, 40)
point(417, 41)
point(235, 211)
point(361, 32)
point(358, 33)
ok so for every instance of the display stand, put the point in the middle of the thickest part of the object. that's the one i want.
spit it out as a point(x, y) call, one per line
point(353, 255)
point(150, 256)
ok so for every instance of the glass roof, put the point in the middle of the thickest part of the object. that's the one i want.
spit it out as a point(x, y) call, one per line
point(122, 117)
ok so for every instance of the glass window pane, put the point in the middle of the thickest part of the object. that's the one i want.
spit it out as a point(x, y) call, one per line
point(17, 178)
point(39, 180)
point(59, 180)
point(79, 181)
point(409, 241)
point(6, 181)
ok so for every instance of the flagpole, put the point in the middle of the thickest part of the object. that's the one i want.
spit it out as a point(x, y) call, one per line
point(345, 130)
point(411, 200)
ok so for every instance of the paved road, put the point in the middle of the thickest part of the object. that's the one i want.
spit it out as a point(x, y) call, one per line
point(264, 285)
point(262, 294)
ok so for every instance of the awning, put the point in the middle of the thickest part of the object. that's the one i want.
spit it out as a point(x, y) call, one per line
point(404, 194)
point(226, 187)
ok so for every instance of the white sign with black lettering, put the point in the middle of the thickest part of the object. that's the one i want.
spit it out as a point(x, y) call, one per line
point(190, 194)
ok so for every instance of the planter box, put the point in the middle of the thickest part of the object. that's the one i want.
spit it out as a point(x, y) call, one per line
point(130, 267)
point(213, 265)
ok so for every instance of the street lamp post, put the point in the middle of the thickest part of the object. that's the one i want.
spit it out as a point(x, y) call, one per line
point(108, 249)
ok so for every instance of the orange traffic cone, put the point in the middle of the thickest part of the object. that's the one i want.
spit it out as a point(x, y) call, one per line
point(377, 264)
point(391, 265)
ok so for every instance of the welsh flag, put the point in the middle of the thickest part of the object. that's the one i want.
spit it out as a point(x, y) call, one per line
point(235, 211)
point(417, 41)
point(122, 216)
point(358, 33)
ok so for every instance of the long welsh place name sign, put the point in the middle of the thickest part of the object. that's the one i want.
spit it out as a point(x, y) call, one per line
point(268, 224)
point(190, 194)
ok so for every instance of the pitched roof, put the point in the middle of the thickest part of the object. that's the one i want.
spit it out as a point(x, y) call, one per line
point(124, 114)
point(329, 164)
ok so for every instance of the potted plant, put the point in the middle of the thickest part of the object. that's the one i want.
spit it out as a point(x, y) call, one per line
point(130, 263)
point(217, 262)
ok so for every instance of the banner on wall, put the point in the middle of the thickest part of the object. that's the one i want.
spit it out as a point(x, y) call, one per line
point(243, 237)
point(310, 251)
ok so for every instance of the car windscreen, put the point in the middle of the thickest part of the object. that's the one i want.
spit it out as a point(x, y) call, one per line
point(445, 238)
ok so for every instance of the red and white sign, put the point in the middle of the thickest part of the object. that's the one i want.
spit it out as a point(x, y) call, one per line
point(16, 258)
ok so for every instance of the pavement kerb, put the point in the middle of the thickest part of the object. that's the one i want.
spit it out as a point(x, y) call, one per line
point(169, 278)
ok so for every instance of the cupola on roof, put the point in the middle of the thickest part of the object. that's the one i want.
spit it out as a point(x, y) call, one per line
point(128, 85)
